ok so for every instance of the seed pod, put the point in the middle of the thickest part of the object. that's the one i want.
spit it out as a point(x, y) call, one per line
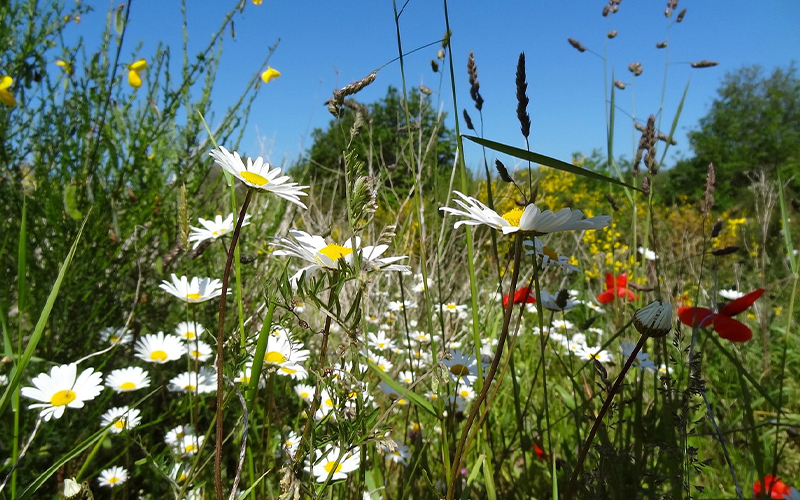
point(654, 319)
point(619, 84)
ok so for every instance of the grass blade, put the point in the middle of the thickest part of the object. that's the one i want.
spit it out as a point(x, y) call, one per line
point(787, 234)
point(674, 124)
point(546, 161)
point(404, 392)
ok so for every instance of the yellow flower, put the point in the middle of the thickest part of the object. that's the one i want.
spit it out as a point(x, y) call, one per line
point(257, 2)
point(6, 97)
point(67, 67)
point(270, 73)
point(134, 78)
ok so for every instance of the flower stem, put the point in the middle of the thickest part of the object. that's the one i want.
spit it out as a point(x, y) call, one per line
point(573, 480)
point(221, 351)
point(454, 475)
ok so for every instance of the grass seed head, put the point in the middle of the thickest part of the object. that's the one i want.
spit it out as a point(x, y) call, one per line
point(522, 99)
point(681, 15)
point(576, 44)
point(704, 64)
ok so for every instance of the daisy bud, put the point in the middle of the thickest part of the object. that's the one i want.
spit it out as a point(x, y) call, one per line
point(654, 319)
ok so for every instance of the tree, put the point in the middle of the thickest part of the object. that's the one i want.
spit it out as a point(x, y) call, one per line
point(383, 142)
point(753, 125)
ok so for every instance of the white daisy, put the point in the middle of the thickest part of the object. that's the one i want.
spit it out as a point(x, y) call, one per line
point(176, 434)
point(462, 368)
point(291, 444)
point(379, 341)
point(549, 256)
point(259, 175)
point(562, 324)
point(529, 220)
point(114, 335)
point(179, 472)
point(196, 290)
point(406, 377)
point(453, 308)
point(396, 305)
point(213, 229)
point(295, 371)
point(304, 392)
point(113, 477)
point(647, 253)
point(642, 360)
point(189, 444)
point(159, 348)
point(421, 337)
point(128, 379)
point(199, 350)
point(731, 294)
point(465, 392)
point(551, 301)
point(397, 453)
point(246, 374)
point(281, 351)
point(121, 419)
point(594, 353)
point(335, 462)
point(63, 388)
point(320, 254)
point(382, 363)
point(189, 330)
point(201, 383)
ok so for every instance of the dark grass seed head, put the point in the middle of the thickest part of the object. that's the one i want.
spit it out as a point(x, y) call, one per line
point(522, 99)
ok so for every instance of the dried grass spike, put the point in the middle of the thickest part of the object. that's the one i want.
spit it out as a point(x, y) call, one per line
point(474, 85)
point(612, 34)
point(681, 15)
point(704, 64)
point(619, 84)
point(661, 45)
point(503, 171)
point(576, 44)
point(522, 98)
point(708, 194)
point(468, 120)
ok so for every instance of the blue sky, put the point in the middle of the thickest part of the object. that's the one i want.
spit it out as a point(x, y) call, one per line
point(327, 44)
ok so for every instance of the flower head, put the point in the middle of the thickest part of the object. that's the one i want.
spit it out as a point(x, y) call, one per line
point(213, 229)
point(189, 330)
point(270, 74)
point(121, 419)
point(113, 477)
point(616, 287)
point(524, 295)
point(201, 383)
point(259, 175)
point(114, 335)
point(63, 388)
point(6, 97)
point(128, 379)
point(654, 319)
point(722, 322)
point(196, 290)
point(772, 486)
point(134, 76)
point(159, 348)
point(335, 462)
point(531, 219)
point(462, 368)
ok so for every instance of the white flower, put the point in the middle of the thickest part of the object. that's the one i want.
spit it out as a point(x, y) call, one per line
point(562, 324)
point(295, 371)
point(291, 444)
point(647, 253)
point(197, 290)
point(334, 462)
point(176, 434)
point(406, 377)
point(320, 254)
point(128, 379)
point(258, 175)
point(213, 229)
point(201, 383)
point(114, 335)
point(549, 256)
point(731, 294)
point(121, 419)
point(189, 444)
point(642, 360)
point(199, 350)
point(304, 392)
point(421, 337)
point(382, 363)
point(465, 392)
point(594, 353)
point(71, 487)
point(282, 351)
point(61, 389)
point(462, 368)
point(396, 305)
point(246, 374)
point(113, 477)
point(551, 302)
point(379, 341)
point(160, 348)
point(396, 452)
point(529, 220)
point(453, 308)
point(189, 330)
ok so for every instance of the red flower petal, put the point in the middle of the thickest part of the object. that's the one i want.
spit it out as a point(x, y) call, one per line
point(522, 296)
point(540, 454)
point(695, 316)
point(731, 329)
point(742, 303)
point(624, 292)
point(622, 280)
point(609, 281)
point(774, 486)
point(607, 297)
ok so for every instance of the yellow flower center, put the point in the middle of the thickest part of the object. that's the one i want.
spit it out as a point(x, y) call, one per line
point(459, 370)
point(513, 216)
point(182, 477)
point(113, 480)
point(193, 296)
point(190, 448)
point(464, 394)
point(113, 339)
point(62, 398)
point(382, 367)
point(275, 357)
point(334, 251)
point(328, 402)
point(158, 355)
point(550, 253)
point(127, 386)
point(450, 306)
point(304, 395)
point(288, 370)
point(120, 424)
point(189, 387)
point(196, 354)
point(253, 178)
point(402, 401)
point(188, 335)
point(330, 467)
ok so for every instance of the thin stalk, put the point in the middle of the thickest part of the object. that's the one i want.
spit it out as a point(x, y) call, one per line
point(220, 348)
point(489, 376)
point(573, 480)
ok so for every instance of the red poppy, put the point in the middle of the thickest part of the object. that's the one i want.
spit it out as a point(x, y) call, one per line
point(540, 454)
point(524, 295)
point(616, 287)
point(772, 485)
point(722, 322)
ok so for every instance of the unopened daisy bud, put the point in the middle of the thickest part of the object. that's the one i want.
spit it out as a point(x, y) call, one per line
point(576, 44)
point(680, 16)
point(619, 84)
point(716, 229)
point(503, 171)
point(612, 34)
point(704, 64)
point(654, 319)
point(468, 120)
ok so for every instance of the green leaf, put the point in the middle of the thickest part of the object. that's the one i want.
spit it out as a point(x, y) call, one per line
point(119, 20)
point(545, 160)
point(404, 392)
point(71, 202)
point(567, 397)
point(787, 234)
point(40, 325)
point(674, 124)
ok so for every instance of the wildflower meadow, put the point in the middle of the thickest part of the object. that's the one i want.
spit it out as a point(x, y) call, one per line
point(416, 306)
